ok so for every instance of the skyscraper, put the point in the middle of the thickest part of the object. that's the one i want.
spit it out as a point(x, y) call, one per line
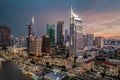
point(88, 40)
point(60, 37)
point(30, 27)
point(99, 41)
point(38, 46)
point(66, 36)
point(31, 45)
point(45, 44)
point(79, 41)
point(34, 47)
point(5, 36)
point(50, 30)
point(75, 27)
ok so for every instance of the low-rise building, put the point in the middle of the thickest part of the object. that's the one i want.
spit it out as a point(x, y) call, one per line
point(108, 68)
point(54, 76)
point(88, 65)
point(111, 69)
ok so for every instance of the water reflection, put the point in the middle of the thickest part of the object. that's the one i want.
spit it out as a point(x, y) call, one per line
point(9, 71)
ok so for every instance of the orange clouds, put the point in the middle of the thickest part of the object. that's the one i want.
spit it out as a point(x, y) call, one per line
point(107, 35)
point(105, 24)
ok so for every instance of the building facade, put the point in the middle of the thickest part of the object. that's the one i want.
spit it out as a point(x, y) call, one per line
point(66, 36)
point(88, 40)
point(79, 42)
point(45, 44)
point(30, 45)
point(60, 37)
point(19, 42)
point(5, 36)
point(112, 42)
point(34, 46)
point(99, 41)
point(75, 27)
point(38, 46)
point(50, 31)
point(30, 28)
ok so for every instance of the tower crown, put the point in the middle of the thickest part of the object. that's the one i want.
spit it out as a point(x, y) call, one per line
point(74, 16)
point(32, 21)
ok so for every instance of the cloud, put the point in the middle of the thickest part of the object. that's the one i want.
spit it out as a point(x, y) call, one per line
point(105, 23)
point(113, 24)
point(99, 16)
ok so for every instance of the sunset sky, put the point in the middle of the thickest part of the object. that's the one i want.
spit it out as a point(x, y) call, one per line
point(100, 17)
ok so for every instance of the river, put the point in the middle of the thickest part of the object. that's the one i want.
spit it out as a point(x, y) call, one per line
point(9, 71)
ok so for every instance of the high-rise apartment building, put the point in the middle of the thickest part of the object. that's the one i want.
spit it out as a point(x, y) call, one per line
point(38, 46)
point(45, 44)
point(99, 41)
point(30, 45)
point(34, 45)
point(88, 40)
point(5, 36)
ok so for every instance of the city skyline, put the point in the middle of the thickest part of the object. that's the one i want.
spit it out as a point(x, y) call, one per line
point(100, 18)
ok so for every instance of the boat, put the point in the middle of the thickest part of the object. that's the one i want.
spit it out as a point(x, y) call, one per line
point(24, 72)
point(2, 59)
point(35, 77)
point(21, 68)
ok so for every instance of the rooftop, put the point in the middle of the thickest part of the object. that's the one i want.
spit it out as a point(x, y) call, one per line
point(110, 64)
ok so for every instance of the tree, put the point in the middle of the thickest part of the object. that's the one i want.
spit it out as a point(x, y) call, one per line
point(103, 74)
point(84, 56)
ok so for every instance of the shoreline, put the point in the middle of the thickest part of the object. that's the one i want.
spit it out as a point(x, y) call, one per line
point(10, 69)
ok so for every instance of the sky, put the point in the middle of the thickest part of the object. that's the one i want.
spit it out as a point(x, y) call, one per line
point(100, 17)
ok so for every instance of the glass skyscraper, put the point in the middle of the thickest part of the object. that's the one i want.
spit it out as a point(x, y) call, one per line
point(50, 31)
point(60, 37)
point(30, 27)
point(75, 27)
point(66, 36)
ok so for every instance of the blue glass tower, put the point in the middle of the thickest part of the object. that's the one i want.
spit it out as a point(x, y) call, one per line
point(50, 31)
point(60, 37)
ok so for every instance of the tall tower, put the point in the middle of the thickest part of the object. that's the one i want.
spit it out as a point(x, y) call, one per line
point(88, 40)
point(50, 30)
point(99, 41)
point(60, 37)
point(30, 38)
point(66, 36)
point(75, 27)
point(45, 44)
point(30, 27)
point(5, 36)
